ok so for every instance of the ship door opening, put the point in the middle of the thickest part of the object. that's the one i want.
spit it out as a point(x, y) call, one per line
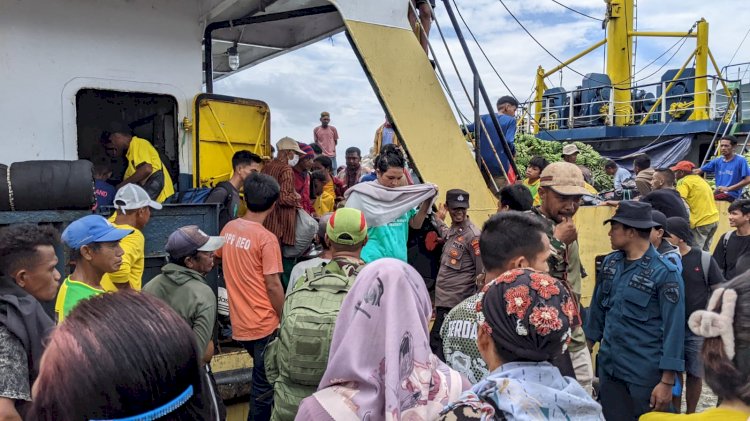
point(150, 116)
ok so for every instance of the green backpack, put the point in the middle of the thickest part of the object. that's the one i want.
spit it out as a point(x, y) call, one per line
point(297, 358)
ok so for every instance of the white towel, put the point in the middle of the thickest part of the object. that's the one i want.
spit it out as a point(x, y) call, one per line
point(382, 205)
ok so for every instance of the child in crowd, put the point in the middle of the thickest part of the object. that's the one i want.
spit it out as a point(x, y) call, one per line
point(533, 177)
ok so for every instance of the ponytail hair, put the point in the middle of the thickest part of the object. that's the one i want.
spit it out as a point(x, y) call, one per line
point(729, 377)
point(390, 157)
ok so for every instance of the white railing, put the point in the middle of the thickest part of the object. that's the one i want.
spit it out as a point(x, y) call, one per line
point(601, 111)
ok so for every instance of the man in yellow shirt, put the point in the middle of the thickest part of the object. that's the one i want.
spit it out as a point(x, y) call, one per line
point(704, 216)
point(132, 212)
point(95, 249)
point(145, 167)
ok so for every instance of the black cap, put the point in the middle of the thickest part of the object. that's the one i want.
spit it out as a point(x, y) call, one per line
point(634, 214)
point(457, 198)
point(507, 99)
point(680, 228)
point(660, 219)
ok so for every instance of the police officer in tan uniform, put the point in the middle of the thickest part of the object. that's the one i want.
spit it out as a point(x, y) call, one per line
point(460, 263)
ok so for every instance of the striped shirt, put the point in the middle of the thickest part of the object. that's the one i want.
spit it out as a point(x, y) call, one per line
point(283, 218)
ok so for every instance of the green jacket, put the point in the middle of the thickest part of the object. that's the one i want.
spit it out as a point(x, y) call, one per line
point(186, 291)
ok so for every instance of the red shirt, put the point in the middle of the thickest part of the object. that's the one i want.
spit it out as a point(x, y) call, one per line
point(302, 186)
point(327, 138)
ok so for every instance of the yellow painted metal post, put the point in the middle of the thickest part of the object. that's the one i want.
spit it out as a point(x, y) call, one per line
point(701, 70)
point(620, 55)
point(538, 97)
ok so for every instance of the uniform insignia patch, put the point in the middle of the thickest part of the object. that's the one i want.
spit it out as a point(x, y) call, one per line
point(475, 246)
point(672, 292)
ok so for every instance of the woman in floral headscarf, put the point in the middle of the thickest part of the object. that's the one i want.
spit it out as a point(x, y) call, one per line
point(525, 319)
point(380, 365)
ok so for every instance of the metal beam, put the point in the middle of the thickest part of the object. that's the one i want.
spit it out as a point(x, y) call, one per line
point(482, 90)
point(271, 17)
point(620, 57)
point(662, 34)
point(576, 57)
point(665, 93)
point(245, 44)
point(700, 104)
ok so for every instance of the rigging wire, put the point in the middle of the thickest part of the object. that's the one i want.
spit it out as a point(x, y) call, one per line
point(738, 47)
point(684, 40)
point(542, 45)
point(510, 91)
point(577, 11)
point(461, 16)
point(450, 56)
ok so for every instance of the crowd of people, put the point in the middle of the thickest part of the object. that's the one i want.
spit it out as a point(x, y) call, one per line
point(355, 330)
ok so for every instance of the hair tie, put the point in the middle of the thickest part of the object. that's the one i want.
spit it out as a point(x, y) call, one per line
point(710, 324)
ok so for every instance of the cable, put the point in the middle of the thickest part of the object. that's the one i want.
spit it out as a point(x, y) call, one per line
point(738, 47)
point(450, 56)
point(461, 16)
point(576, 11)
point(542, 46)
point(684, 40)
point(510, 91)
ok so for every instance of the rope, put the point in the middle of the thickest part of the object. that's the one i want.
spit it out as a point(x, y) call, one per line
point(10, 189)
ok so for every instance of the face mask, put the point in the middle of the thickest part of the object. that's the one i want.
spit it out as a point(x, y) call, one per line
point(294, 161)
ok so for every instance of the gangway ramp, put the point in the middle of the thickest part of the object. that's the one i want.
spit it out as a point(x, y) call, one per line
point(408, 89)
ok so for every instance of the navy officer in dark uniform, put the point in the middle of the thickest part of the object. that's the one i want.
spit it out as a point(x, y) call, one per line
point(637, 315)
point(460, 263)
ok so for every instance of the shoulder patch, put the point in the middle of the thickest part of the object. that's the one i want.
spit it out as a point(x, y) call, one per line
point(475, 246)
point(671, 292)
point(613, 257)
point(670, 265)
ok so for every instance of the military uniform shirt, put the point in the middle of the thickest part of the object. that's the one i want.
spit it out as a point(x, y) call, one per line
point(460, 264)
point(638, 316)
point(565, 265)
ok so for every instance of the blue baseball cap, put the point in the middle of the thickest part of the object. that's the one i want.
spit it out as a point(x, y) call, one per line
point(91, 229)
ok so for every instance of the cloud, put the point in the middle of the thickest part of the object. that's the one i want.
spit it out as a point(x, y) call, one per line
point(327, 75)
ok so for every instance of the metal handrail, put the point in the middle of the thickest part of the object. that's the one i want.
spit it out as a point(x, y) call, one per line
point(719, 102)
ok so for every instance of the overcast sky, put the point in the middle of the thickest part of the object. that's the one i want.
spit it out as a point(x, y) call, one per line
point(327, 76)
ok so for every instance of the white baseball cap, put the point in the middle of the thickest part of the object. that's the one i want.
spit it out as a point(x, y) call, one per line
point(132, 196)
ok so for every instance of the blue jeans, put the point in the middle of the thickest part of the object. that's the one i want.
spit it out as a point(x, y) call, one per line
point(261, 393)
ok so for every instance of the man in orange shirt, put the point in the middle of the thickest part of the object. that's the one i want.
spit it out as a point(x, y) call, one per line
point(251, 258)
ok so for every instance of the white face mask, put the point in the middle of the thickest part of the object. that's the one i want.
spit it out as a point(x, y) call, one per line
point(294, 160)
